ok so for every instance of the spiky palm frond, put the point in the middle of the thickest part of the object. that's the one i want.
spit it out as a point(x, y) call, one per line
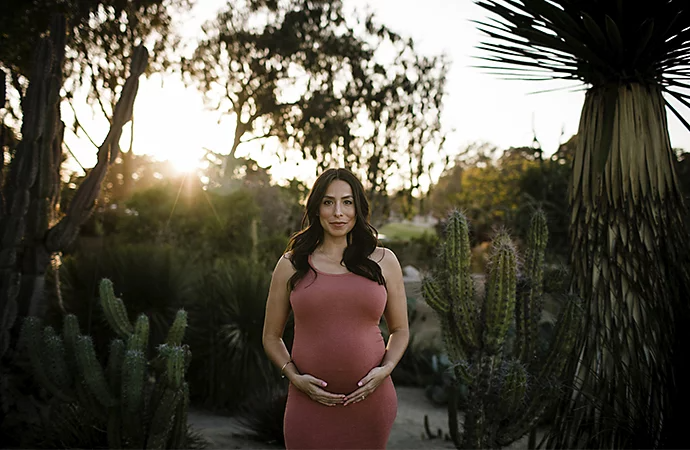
point(595, 42)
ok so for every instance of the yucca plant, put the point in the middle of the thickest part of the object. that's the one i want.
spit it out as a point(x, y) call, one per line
point(225, 333)
point(262, 414)
point(628, 245)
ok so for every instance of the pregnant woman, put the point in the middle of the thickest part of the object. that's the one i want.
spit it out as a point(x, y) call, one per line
point(339, 284)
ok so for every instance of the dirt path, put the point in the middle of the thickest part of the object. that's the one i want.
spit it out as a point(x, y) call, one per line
point(407, 433)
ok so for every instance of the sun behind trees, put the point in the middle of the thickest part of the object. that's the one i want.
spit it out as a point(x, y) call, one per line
point(335, 89)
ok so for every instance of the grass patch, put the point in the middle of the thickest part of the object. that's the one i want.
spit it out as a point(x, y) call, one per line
point(403, 231)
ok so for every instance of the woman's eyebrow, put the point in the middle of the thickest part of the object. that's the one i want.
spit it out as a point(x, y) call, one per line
point(330, 196)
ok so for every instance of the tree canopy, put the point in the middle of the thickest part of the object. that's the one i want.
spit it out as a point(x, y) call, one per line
point(101, 37)
point(298, 71)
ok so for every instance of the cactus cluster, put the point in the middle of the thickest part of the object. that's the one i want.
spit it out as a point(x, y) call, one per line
point(509, 386)
point(142, 403)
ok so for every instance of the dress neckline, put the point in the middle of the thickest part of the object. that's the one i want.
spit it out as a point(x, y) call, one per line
point(326, 273)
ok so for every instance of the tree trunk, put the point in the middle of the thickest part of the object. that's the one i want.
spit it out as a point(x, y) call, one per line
point(627, 242)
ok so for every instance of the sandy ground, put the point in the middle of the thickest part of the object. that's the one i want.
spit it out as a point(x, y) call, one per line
point(407, 433)
point(408, 430)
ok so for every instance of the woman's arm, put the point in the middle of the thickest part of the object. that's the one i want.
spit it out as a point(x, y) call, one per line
point(277, 311)
point(395, 312)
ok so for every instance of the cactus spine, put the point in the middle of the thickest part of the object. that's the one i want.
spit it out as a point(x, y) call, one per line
point(509, 386)
point(120, 393)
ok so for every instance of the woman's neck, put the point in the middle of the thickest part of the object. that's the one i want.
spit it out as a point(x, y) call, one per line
point(333, 246)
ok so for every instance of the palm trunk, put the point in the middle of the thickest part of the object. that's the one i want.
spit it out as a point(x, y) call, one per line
point(626, 245)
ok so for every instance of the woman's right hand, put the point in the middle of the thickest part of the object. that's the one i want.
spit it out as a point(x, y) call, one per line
point(314, 388)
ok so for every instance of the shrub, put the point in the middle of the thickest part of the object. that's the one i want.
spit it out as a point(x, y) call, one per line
point(226, 327)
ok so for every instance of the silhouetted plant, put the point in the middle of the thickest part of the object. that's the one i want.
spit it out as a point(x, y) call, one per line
point(226, 327)
point(152, 280)
point(263, 412)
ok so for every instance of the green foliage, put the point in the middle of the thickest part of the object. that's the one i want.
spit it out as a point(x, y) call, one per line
point(118, 396)
point(225, 301)
point(153, 279)
point(485, 186)
point(502, 189)
point(208, 223)
point(509, 384)
point(403, 231)
point(418, 251)
point(225, 333)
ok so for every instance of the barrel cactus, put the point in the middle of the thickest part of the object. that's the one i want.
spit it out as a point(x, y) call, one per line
point(509, 386)
point(140, 403)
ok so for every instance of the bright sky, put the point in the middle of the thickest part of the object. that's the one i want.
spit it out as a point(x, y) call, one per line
point(173, 123)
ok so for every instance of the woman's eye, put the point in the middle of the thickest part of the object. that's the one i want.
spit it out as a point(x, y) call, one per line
point(327, 202)
point(348, 202)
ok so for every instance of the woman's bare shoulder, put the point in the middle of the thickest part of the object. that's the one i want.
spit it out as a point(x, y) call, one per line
point(284, 266)
point(385, 257)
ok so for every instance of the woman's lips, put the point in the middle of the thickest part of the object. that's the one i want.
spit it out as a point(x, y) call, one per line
point(338, 224)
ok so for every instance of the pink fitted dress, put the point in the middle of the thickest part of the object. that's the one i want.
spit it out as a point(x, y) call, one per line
point(337, 339)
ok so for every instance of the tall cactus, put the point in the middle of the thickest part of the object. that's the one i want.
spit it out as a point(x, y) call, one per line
point(33, 224)
point(510, 387)
point(119, 394)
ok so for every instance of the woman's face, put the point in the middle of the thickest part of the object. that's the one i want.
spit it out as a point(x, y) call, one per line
point(337, 212)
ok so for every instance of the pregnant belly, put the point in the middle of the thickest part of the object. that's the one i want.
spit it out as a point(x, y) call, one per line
point(340, 363)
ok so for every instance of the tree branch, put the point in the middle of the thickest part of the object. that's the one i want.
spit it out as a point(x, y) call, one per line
point(256, 138)
point(98, 96)
point(74, 156)
point(79, 125)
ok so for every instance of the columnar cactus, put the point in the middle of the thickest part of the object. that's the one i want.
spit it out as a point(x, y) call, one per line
point(141, 405)
point(33, 224)
point(509, 387)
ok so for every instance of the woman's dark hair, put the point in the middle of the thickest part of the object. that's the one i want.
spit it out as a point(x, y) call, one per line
point(361, 240)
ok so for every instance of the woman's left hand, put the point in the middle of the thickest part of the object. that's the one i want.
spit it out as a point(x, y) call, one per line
point(368, 384)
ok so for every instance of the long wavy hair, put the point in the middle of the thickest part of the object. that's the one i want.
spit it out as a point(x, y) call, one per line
point(361, 240)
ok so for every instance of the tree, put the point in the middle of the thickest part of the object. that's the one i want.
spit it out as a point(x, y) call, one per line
point(100, 42)
point(297, 72)
point(273, 66)
point(629, 248)
point(101, 37)
point(485, 186)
